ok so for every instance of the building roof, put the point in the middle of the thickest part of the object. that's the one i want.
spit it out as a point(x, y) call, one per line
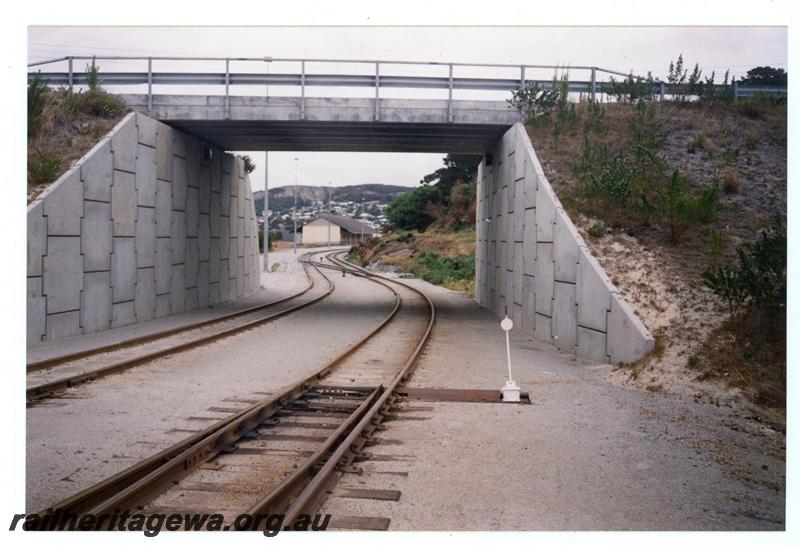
point(350, 225)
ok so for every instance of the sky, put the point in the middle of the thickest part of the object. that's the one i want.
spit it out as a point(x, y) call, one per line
point(637, 49)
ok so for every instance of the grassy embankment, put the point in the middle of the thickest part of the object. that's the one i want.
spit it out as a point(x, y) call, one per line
point(64, 125)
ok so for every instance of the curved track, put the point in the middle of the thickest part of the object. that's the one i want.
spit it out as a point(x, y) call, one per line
point(277, 455)
point(53, 376)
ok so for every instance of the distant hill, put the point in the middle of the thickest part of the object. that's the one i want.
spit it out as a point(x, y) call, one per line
point(282, 198)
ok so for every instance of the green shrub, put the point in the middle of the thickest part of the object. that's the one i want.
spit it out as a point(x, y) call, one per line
point(37, 97)
point(759, 278)
point(94, 102)
point(675, 210)
point(411, 211)
point(534, 99)
point(606, 178)
point(438, 270)
point(93, 79)
point(405, 237)
point(43, 169)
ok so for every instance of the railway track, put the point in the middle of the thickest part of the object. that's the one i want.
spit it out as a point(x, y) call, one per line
point(50, 377)
point(278, 455)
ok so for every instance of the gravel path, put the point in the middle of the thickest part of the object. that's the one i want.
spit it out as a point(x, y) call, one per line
point(586, 455)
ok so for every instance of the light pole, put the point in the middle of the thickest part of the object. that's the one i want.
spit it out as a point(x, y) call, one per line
point(329, 214)
point(265, 212)
point(294, 209)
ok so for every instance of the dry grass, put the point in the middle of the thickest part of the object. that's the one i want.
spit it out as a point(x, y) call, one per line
point(65, 134)
point(748, 355)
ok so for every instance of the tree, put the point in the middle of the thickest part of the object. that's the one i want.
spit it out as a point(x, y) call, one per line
point(410, 211)
point(766, 75)
point(457, 168)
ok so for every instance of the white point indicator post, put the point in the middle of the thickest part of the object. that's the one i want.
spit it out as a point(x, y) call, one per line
point(510, 390)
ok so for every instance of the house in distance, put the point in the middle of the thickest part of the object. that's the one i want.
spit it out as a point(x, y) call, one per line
point(336, 230)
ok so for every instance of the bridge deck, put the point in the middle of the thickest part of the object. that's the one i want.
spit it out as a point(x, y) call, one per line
point(333, 124)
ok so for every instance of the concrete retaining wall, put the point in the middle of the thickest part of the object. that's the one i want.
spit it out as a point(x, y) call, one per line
point(532, 263)
point(141, 227)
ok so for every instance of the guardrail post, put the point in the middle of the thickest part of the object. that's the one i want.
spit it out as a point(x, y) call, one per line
point(450, 95)
point(227, 88)
point(377, 88)
point(149, 86)
point(594, 82)
point(70, 75)
point(735, 91)
point(662, 90)
point(522, 77)
point(302, 90)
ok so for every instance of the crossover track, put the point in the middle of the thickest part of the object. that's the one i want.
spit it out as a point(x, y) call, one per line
point(52, 376)
point(278, 455)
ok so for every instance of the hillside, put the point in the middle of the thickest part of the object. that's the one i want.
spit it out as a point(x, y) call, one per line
point(734, 152)
point(281, 199)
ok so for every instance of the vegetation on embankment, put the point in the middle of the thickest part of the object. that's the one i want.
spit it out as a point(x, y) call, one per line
point(64, 125)
point(683, 201)
point(433, 228)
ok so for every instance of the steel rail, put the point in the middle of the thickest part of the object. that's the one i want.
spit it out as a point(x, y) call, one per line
point(60, 359)
point(154, 472)
point(48, 389)
point(357, 437)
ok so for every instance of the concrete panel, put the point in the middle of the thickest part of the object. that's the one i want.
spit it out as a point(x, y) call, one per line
point(224, 240)
point(203, 236)
point(225, 195)
point(122, 314)
point(145, 298)
point(193, 169)
point(177, 289)
point(192, 211)
point(213, 294)
point(36, 312)
point(63, 274)
point(180, 143)
point(192, 262)
point(123, 144)
point(96, 168)
point(531, 183)
point(519, 213)
point(545, 215)
point(529, 238)
point(628, 339)
point(216, 171)
point(146, 176)
point(146, 238)
point(191, 299)
point(565, 248)
point(518, 271)
point(63, 205)
point(179, 184)
point(543, 328)
point(528, 304)
point(163, 208)
point(163, 265)
point(593, 292)
point(97, 234)
point(162, 305)
point(178, 237)
point(224, 281)
point(215, 214)
point(61, 325)
point(164, 157)
point(37, 238)
point(240, 277)
point(213, 260)
point(592, 345)
point(96, 302)
point(123, 203)
point(565, 317)
point(147, 130)
point(544, 278)
point(123, 269)
point(202, 285)
point(205, 189)
point(240, 238)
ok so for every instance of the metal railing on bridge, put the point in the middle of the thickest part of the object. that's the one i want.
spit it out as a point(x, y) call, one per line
point(592, 87)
